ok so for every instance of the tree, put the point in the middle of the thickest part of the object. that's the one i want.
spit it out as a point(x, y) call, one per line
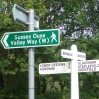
point(73, 17)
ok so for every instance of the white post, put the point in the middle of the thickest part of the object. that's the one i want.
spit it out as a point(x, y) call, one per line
point(74, 74)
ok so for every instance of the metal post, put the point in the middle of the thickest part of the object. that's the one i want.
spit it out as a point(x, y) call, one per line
point(31, 58)
point(74, 74)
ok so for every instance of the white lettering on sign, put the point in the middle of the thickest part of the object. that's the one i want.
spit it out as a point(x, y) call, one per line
point(38, 35)
point(44, 40)
point(16, 37)
point(32, 42)
point(17, 42)
point(54, 68)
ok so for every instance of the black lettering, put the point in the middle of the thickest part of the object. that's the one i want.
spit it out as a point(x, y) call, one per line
point(86, 68)
point(70, 54)
point(97, 65)
point(89, 62)
point(52, 68)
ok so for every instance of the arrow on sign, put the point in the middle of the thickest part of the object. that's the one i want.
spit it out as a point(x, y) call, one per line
point(5, 40)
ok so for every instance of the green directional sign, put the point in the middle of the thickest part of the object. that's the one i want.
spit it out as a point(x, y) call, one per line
point(37, 38)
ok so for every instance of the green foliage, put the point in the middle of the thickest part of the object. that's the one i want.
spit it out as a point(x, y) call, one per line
point(71, 16)
point(89, 81)
point(16, 90)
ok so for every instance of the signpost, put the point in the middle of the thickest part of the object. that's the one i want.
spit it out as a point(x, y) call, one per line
point(74, 56)
point(28, 18)
point(63, 67)
point(37, 38)
point(29, 39)
point(74, 67)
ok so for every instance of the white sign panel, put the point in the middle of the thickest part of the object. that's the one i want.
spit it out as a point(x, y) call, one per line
point(54, 68)
point(64, 67)
point(68, 54)
point(88, 66)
